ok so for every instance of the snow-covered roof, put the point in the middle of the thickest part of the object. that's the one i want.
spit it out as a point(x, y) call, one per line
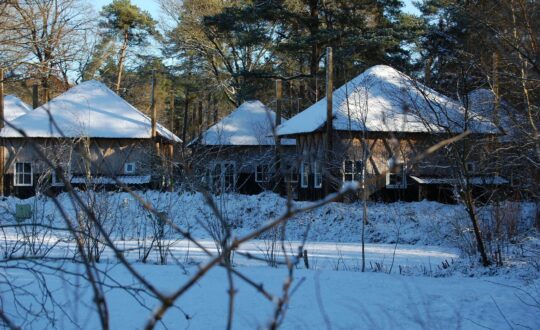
point(248, 125)
point(104, 180)
point(383, 99)
point(14, 107)
point(476, 180)
point(90, 109)
point(482, 102)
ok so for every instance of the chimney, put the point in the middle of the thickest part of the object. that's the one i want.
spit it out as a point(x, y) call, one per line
point(35, 96)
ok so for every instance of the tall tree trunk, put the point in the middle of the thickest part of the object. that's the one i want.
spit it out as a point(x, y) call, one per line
point(315, 47)
point(469, 203)
point(186, 114)
point(121, 60)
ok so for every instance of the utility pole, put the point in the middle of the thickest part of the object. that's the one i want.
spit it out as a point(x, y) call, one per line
point(329, 114)
point(279, 101)
point(329, 92)
point(171, 145)
point(153, 104)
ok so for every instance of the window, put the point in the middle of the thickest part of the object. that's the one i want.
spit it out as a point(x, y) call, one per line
point(129, 168)
point(304, 175)
point(317, 175)
point(56, 181)
point(229, 176)
point(471, 167)
point(23, 174)
point(261, 173)
point(215, 177)
point(291, 174)
point(352, 170)
point(222, 176)
point(395, 178)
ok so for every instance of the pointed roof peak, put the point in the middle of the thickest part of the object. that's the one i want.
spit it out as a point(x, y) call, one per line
point(383, 99)
point(88, 109)
point(250, 124)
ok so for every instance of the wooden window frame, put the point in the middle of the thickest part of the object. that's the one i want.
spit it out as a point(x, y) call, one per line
point(291, 174)
point(355, 173)
point(304, 175)
point(16, 182)
point(400, 169)
point(317, 175)
point(262, 176)
point(217, 172)
point(130, 164)
point(471, 166)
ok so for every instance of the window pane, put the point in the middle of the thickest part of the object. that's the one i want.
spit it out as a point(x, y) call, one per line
point(27, 179)
point(348, 166)
point(358, 166)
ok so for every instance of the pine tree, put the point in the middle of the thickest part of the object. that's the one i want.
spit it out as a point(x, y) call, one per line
point(128, 24)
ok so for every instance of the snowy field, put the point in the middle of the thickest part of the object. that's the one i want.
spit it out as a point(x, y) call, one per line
point(418, 274)
point(346, 299)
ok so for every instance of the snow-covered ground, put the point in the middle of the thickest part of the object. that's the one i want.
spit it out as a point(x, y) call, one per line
point(419, 273)
point(348, 300)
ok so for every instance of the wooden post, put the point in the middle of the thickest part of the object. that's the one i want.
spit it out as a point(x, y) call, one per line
point(153, 104)
point(35, 96)
point(171, 166)
point(2, 151)
point(329, 92)
point(279, 101)
point(329, 113)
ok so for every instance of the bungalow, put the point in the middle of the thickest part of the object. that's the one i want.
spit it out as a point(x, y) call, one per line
point(239, 152)
point(93, 134)
point(381, 121)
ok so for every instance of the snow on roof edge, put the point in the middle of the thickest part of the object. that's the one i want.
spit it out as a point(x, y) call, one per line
point(250, 113)
point(67, 97)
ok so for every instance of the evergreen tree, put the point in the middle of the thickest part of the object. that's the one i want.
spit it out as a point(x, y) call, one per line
point(130, 25)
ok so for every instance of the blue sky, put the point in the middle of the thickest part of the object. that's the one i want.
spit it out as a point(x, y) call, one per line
point(153, 7)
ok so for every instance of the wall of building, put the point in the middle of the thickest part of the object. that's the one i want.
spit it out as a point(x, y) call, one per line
point(246, 160)
point(382, 149)
point(83, 157)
